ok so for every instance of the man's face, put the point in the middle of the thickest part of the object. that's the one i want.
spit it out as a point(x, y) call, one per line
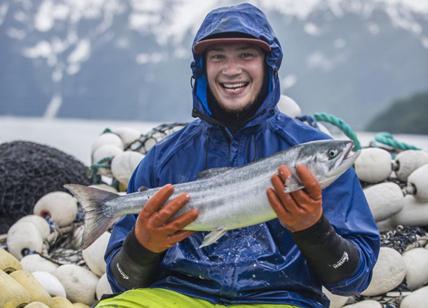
point(235, 74)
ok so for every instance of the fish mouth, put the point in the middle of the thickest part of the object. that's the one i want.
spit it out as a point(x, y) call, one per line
point(348, 158)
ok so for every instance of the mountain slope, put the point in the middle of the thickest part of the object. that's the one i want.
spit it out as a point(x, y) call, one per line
point(131, 59)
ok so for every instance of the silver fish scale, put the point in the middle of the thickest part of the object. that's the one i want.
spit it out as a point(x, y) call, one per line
point(237, 197)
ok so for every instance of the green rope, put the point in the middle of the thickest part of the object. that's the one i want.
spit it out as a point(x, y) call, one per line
point(388, 139)
point(93, 169)
point(345, 128)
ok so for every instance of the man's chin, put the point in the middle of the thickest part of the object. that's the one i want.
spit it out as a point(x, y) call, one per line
point(236, 108)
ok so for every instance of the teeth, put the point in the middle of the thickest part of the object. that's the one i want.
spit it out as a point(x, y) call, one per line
point(234, 85)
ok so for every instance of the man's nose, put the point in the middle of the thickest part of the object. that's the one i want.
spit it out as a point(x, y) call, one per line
point(232, 67)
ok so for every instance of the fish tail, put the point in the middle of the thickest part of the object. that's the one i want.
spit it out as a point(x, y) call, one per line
point(98, 215)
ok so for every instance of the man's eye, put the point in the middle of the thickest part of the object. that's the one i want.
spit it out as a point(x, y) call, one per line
point(247, 55)
point(217, 57)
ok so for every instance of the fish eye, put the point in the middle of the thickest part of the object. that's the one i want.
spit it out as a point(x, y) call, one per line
point(332, 153)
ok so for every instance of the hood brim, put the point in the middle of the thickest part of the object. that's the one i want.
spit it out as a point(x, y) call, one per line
point(200, 47)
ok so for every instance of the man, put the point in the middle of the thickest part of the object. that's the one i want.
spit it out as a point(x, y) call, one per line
point(320, 238)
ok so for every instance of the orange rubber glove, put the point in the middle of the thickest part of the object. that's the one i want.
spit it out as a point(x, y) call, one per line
point(154, 228)
point(300, 209)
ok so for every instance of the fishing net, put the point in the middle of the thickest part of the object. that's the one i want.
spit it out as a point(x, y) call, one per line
point(147, 141)
point(28, 171)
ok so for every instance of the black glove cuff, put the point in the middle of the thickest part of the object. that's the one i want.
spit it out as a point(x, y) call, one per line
point(134, 266)
point(329, 255)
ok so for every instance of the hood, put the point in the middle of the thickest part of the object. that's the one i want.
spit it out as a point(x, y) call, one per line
point(248, 20)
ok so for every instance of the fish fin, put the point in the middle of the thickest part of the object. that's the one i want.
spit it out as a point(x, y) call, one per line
point(212, 237)
point(142, 188)
point(97, 213)
point(212, 172)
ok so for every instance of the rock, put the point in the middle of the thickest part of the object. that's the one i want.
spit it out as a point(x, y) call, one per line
point(385, 200)
point(417, 299)
point(374, 165)
point(365, 304)
point(416, 261)
point(388, 272)
point(414, 213)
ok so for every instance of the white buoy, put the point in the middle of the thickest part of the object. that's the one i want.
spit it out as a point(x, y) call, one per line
point(103, 287)
point(414, 213)
point(60, 302)
point(32, 285)
point(124, 164)
point(336, 301)
point(289, 106)
point(417, 183)
point(384, 199)
point(127, 134)
point(103, 152)
point(388, 272)
point(36, 305)
point(23, 238)
point(79, 283)
point(8, 262)
point(107, 139)
point(365, 304)
point(408, 161)
point(60, 206)
point(94, 254)
point(416, 261)
point(35, 262)
point(12, 293)
point(80, 305)
point(417, 299)
point(385, 225)
point(39, 222)
point(50, 283)
point(373, 165)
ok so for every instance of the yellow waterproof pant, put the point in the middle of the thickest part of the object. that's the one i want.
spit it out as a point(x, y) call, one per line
point(162, 298)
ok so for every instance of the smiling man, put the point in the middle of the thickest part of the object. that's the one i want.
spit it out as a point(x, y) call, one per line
point(320, 238)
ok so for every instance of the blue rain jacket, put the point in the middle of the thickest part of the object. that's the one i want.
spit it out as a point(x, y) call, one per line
point(260, 263)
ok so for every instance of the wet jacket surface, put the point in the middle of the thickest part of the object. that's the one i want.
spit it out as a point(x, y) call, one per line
point(260, 263)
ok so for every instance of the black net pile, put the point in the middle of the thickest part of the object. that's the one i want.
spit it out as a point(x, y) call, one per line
point(28, 171)
point(147, 141)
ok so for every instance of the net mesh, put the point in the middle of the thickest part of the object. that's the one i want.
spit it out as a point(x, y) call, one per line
point(30, 170)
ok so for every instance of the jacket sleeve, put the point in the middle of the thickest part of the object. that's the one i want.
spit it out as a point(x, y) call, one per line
point(128, 264)
point(347, 211)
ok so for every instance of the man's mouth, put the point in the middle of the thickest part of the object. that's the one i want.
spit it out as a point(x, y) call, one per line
point(234, 87)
